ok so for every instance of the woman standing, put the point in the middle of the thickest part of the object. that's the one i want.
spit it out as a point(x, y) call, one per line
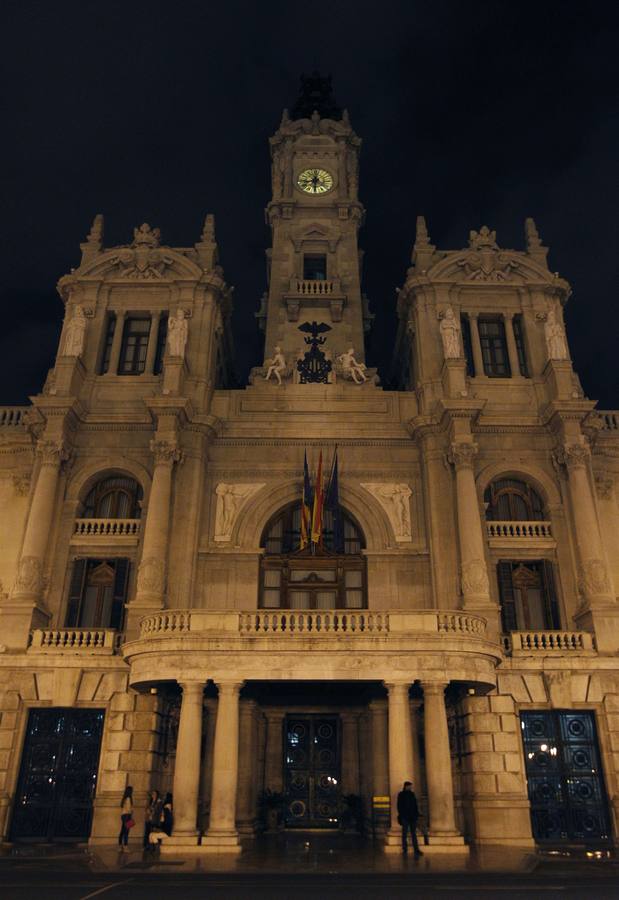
point(126, 816)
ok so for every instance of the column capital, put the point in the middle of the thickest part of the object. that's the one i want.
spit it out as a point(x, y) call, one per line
point(397, 687)
point(229, 688)
point(461, 454)
point(165, 453)
point(433, 687)
point(52, 452)
point(572, 456)
point(192, 687)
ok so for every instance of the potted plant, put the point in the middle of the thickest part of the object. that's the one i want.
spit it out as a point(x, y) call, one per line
point(271, 806)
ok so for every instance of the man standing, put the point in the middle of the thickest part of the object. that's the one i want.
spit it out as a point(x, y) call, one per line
point(408, 814)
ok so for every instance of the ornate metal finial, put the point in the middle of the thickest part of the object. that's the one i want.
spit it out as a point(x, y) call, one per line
point(316, 94)
point(314, 368)
point(484, 239)
point(145, 236)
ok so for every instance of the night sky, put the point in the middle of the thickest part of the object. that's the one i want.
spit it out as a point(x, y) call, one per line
point(470, 113)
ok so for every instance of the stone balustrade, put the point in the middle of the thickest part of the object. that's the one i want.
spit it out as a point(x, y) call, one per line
point(12, 416)
point(525, 642)
point(313, 623)
point(314, 288)
point(107, 528)
point(610, 419)
point(520, 531)
point(102, 641)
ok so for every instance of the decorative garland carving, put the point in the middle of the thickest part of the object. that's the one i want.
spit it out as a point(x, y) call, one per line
point(29, 576)
point(475, 577)
point(151, 575)
point(593, 578)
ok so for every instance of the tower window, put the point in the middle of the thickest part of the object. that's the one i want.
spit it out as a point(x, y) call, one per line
point(519, 339)
point(162, 336)
point(494, 347)
point(134, 346)
point(314, 267)
point(107, 345)
point(465, 327)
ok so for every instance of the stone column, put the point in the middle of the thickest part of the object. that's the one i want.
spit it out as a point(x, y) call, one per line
point(274, 754)
point(512, 351)
point(400, 753)
point(28, 587)
point(350, 753)
point(151, 585)
point(417, 785)
point(119, 327)
point(474, 576)
point(594, 582)
point(380, 749)
point(152, 342)
point(222, 835)
point(438, 762)
point(478, 359)
point(248, 750)
point(187, 764)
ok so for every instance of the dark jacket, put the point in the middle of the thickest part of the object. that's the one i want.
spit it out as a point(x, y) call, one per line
point(408, 811)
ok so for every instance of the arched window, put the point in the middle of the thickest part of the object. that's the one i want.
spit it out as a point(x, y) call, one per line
point(291, 578)
point(114, 497)
point(511, 500)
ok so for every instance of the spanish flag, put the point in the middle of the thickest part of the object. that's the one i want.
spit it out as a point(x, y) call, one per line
point(306, 506)
point(318, 504)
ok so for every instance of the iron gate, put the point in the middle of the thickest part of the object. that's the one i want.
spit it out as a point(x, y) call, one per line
point(58, 775)
point(312, 771)
point(564, 775)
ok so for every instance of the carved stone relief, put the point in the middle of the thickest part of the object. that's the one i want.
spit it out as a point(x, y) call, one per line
point(395, 500)
point(230, 500)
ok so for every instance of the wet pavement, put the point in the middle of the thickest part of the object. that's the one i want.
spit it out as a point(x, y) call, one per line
point(302, 866)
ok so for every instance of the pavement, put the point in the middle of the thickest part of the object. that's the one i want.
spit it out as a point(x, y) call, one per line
point(303, 866)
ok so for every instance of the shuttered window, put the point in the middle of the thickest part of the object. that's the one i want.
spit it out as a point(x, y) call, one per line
point(528, 595)
point(98, 593)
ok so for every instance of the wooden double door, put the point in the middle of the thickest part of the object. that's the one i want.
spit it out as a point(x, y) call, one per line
point(312, 771)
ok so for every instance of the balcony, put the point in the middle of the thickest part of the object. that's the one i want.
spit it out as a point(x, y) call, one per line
point(78, 641)
point(526, 643)
point(306, 292)
point(501, 534)
point(104, 531)
point(12, 416)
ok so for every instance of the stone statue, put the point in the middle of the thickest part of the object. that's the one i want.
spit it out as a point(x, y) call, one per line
point(450, 334)
point(276, 366)
point(351, 368)
point(555, 337)
point(75, 333)
point(230, 499)
point(177, 334)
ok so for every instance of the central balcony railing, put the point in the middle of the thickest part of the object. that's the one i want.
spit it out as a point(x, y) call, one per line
point(12, 416)
point(102, 641)
point(519, 531)
point(316, 288)
point(525, 642)
point(107, 528)
point(312, 623)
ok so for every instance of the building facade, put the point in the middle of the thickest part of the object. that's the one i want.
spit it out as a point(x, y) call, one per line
point(160, 626)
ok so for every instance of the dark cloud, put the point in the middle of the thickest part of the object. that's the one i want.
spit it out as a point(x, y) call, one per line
point(469, 113)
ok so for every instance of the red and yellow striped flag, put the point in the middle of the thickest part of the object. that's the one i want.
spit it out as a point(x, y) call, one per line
point(318, 505)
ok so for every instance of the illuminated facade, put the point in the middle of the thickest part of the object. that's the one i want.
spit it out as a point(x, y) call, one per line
point(159, 625)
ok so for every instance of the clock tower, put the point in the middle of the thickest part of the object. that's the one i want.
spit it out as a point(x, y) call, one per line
point(314, 263)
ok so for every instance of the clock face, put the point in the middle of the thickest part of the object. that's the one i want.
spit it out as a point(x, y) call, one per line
point(315, 181)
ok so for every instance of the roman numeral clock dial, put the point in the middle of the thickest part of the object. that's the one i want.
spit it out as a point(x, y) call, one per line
point(315, 181)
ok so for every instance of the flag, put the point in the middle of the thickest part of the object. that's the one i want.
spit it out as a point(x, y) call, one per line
point(318, 504)
point(306, 505)
point(332, 503)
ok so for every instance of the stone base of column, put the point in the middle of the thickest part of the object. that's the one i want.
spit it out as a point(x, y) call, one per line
point(603, 621)
point(221, 842)
point(249, 828)
point(181, 844)
point(437, 843)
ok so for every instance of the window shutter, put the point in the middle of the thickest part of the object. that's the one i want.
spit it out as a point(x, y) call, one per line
point(553, 616)
point(506, 593)
point(76, 590)
point(121, 583)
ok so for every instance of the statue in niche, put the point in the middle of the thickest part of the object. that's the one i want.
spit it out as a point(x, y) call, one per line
point(230, 499)
point(351, 368)
point(555, 337)
point(177, 334)
point(450, 335)
point(75, 334)
point(276, 366)
point(395, 500)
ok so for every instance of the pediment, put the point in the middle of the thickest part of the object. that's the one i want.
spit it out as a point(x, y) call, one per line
point(140, 264)
point(489, 265)
point(315, 231)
